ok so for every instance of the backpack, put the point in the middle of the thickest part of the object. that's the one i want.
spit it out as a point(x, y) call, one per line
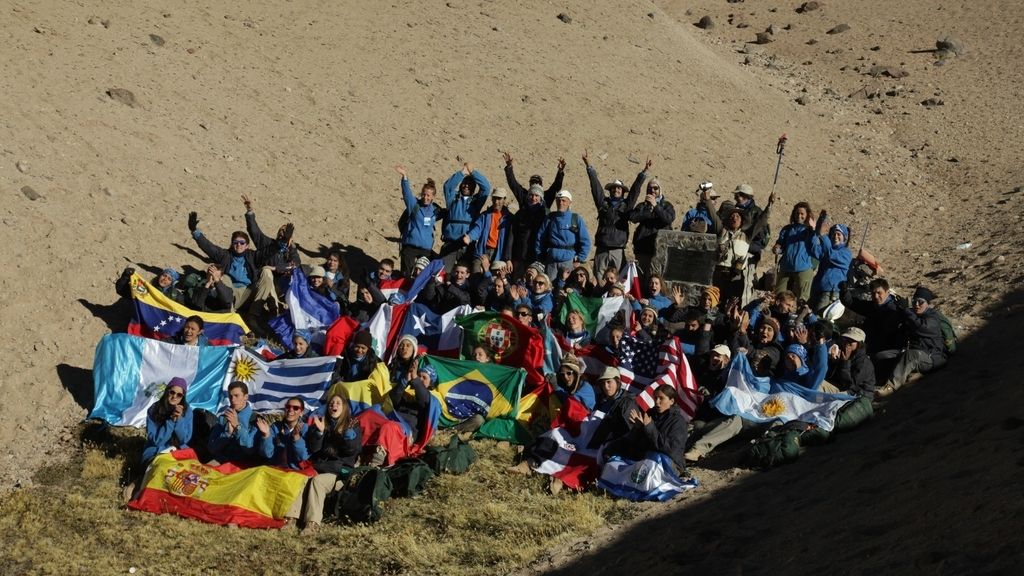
point(361, 502)
point(403, 220)
point(778, 445)
point(949, 340)
point(455, 458)
point(409, 477)
point(853, 414)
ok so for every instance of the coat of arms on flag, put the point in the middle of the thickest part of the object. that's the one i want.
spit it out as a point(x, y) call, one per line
point(499, 336)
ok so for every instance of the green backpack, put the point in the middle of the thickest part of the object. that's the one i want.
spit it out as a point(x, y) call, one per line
point(948, 333)
point(455, 458)
point(409, 477)
point(853, 414)
point(778, 445)
point(361, 503)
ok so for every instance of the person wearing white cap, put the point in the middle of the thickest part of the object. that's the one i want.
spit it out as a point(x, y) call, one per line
point(533, 208)
point(563, 240)
point(418, 224)
point(318, 284)
point(612, 217)
point(653, 214)
point(710, 370)
point(492, 233)
point(759, 237)
point(463, 204)
point(851, 370)
point(615, 403)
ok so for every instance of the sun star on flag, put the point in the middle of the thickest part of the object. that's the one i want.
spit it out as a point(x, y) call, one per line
point(245, 369)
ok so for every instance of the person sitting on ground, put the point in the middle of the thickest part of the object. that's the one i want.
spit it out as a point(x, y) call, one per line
point(533, 208)
point(653, 214)
point(660, 429)
point(318, 283)
point(524, 314)
point(362, 363)
point(233, 437)
point(238, 263)
point(405, 361)
point(538, 297)
point(646, 327)
point(652, 296)
point(191, 333)
point(456, 291)
point(482, 354)
point(335, 441)
point(275, 257)
point(796, 268)
point(765, 351)
point(414, 409)
point(711, 371)
point(563, 240)
point(499, 294)
point(491, 233)
point(882, 322)
point(301, 346)
point(168, 421)
point(337, 276)
point(366, 304)
point(576, 333)
point(612, 216)
point(420, 221)
point(615, 403)
point(462, 207)
point(781, 306)
point(569, 382)
point(834, 258)
point(166, 282)
point(851, 370)
point(283, 443)
point(796, 368)
point(695, 334)
point(579, 282)
point(926, 349)
point(212, 294)
point(609, 279)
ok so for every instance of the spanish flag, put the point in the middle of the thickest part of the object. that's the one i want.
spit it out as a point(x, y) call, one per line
point(177, 483)
point(159, 317)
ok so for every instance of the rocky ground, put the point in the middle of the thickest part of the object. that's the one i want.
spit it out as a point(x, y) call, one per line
point(120, 118)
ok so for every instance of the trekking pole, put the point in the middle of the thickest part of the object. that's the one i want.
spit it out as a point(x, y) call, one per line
point(863, 238)
point(780, 149)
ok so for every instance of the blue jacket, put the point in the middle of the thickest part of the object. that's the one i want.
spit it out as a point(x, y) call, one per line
point(813, 373)
point(419, 232)
point(699, 213)
point(584, 393)
point(795, 240)
point(563, 237)
point(159, 436)
point(241, 445)
point(834, 264)
point(462, 210)
point(543, 302)
point(281, 449)
point(658, 301)
point(482, 227)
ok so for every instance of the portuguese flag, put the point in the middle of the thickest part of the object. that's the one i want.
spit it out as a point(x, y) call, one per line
point(512, 342)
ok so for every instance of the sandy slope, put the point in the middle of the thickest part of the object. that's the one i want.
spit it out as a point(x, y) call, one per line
point(307, 106)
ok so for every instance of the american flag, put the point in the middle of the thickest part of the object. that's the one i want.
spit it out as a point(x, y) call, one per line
point(645, 366)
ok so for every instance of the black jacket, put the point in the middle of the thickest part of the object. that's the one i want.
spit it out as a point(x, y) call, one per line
point(613, 217)
point(268, 250)
point(883, 325)
point(528, 219)
point(649, 220)
point(856, 375)
point(332, 451)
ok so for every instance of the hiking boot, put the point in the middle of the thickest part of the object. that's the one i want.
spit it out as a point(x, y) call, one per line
point(471, 425)
point(290, 525)
point(885, 391)
point(380, 455)
point(127, 492)
point(521, 468)
point(693, 456)
point(556, 486)
point(311, 528)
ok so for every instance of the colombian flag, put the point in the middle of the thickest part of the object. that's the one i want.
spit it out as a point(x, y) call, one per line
point(177, 483)
point(159, 317)
point(466, 388)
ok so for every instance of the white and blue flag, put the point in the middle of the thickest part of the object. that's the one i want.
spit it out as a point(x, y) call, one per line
point(271, 383)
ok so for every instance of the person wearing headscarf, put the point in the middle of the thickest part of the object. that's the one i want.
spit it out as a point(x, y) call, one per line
point(834, 258)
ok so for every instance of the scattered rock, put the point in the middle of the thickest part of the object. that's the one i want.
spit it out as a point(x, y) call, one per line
point(705, 23)
point(811, 42)
point(122, 95)
point(650, 15)
point(875, 48)
point(157, 40)
point(950, 45)
point(22, 166)
point(932, 102)
point(839, 29)
point(807, 7)
point(763, 38)
point(890, 71)
point(803, 100)
point(30, 193)
point(565, 18)
point(770, 29)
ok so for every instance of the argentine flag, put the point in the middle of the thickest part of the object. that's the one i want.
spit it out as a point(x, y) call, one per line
point(130, 373)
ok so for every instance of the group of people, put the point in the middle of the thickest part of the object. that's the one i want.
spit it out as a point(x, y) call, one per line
point(525, 264)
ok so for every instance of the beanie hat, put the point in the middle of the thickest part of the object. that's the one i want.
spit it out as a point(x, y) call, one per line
point(363, 337)
point(179, 382)
point(172, 273)
point(431, 373)
point(412, 340)
point(422, 262)
point(715, 293)
point(536, 189)
point(317, 271)
point(799, 350)
point(924, 294)
point(773, 323)
point(538, 267)
point(304, 334)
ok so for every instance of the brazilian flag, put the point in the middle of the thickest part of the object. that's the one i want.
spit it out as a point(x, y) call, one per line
point(466, 388)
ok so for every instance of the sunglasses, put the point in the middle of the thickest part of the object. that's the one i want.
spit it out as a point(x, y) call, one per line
point(523, 314)
point(175, 395)
point(918, 301)
point(539, 283)
point(293, 408)
point(239, 242)
point(655, 187)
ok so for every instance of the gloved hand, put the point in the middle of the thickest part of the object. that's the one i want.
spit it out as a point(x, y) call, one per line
point(193, 221)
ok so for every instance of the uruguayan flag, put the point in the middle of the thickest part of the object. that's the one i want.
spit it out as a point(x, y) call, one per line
point(130, 372)
point(271, 383)
point(651, 479)
point(763, 399)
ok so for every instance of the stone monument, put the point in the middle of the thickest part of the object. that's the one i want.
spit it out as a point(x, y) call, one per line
point(685, 259)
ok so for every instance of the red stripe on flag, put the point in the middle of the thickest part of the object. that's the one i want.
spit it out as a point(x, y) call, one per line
point(160, 502)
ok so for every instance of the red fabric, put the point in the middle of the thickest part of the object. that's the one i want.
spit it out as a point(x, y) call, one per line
point(339, 334)
point(379, 431)
point(571, 416)
point(160, 502)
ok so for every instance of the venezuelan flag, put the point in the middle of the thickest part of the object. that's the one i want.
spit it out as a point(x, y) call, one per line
point(159, 317)
point(466, 388)
point(177, 483)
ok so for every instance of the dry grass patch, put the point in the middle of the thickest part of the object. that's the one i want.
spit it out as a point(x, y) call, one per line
point(71, 522)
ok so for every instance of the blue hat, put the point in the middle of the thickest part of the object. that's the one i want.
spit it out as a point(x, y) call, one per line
point(799, 350)
point(172, 273)
point(841, 228)
point(431, 372)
